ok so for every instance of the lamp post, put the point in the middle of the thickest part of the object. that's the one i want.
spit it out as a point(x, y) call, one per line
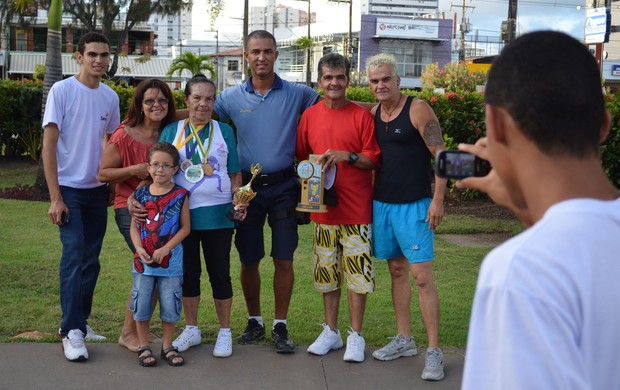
point(350, 39)
point(217, 59)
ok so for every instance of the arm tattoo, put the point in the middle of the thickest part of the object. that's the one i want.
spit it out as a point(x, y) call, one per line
point(432, 134)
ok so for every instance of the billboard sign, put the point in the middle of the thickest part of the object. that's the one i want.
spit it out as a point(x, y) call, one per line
point(403, 28)
point(597, 26)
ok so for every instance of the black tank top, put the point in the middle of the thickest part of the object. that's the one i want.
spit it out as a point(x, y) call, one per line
point(405, 173)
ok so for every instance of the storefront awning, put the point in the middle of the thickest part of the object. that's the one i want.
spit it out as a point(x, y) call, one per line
point(156, 67)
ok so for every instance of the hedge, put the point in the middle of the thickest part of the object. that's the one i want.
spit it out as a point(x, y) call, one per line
point(461, 116)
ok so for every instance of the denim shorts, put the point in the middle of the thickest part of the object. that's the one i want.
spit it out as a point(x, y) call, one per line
point(400, 229)
point(170, 297)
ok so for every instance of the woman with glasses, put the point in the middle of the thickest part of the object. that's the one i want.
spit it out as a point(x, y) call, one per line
point(125, 164)
point(210, 171)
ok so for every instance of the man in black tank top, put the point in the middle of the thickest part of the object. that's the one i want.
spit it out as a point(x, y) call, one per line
point(405, 210)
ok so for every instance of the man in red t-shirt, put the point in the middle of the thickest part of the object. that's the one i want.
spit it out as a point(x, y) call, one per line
point(343, 134)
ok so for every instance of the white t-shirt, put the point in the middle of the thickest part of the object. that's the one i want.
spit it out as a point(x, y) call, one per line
point(83, 115)
point(546, 313)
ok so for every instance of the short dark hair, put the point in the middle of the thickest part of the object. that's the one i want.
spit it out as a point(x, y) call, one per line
point(90, 38)
point(134, 114)
point(551, 86)
point(334, 61)
point(259, 34)
point(196, 79)
point(165, 147)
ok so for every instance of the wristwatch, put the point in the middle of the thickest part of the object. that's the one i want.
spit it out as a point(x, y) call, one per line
point(353, 157)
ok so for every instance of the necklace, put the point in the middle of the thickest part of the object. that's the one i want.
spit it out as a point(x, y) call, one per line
point(389, 113)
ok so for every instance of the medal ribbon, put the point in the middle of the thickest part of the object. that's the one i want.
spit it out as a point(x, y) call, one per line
point(194, 133)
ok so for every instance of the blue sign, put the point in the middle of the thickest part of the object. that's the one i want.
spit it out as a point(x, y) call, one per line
point(615, 70)
point(598, 25)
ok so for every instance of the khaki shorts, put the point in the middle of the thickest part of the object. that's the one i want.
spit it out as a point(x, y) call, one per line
point(343, 250)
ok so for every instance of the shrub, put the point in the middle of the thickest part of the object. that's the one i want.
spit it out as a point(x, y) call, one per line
point(461, 115)
point(20, 115)
point(454, 77)
point(610, 149)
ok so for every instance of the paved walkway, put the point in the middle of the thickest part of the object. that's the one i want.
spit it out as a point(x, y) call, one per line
point(43, 366)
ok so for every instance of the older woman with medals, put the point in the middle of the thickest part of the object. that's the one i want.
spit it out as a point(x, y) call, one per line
point(210, 171)
point(124, 163)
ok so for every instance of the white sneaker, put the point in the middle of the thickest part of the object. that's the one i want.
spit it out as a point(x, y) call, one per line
point(188, 338)
point(355, 347)
point(73, 346)
point(223, 344)
point(397, 347)
point(327, 340)
point(433, 368)
point(92, 336)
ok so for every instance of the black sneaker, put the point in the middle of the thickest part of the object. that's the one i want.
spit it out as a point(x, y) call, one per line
point(280, 338)
point(253, 332)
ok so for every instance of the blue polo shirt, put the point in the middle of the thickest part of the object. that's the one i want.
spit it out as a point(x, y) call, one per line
point(266, 124)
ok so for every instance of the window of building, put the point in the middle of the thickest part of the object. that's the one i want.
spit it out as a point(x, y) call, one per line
point(20, 40)
point(412, 56)
point(233, 65)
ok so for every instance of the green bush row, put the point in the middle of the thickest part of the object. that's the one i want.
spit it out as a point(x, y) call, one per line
point(461, 116)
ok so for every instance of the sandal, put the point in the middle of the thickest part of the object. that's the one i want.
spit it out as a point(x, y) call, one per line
point(170, 358)
point(143, 358)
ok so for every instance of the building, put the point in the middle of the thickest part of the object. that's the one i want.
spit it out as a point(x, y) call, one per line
point(405, 8)
point(414, 42)
point(273, 16)
point(228, 67)
point(26, 46)
point(170, 31)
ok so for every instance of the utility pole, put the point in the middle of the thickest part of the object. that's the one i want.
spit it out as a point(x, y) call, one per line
point(244, 65)
point(309, 53)
point(464, 27)
point(509, 26)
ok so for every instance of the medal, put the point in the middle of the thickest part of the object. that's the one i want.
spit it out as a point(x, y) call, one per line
point(194, 173)
point(186, 164)
point(207, 168)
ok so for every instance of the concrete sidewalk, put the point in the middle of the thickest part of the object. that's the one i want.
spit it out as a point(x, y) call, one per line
point(43, 366)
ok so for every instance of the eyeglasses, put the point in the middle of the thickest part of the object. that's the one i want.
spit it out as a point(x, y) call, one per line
point(161, 102)
point(165, 167)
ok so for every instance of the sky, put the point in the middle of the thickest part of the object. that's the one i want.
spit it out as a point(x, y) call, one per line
point(485, 16)
point(560, 15)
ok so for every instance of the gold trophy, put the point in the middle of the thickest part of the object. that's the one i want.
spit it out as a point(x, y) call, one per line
point(312, 185)
point(244, 194)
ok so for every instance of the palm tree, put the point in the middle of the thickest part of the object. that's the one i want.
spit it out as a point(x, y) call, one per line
point(53, 62)
point(192, 62)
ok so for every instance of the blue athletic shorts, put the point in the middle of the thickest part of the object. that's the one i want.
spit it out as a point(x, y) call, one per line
point(400, 229)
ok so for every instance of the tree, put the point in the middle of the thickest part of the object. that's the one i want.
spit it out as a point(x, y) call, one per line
point(53, 63)
point(193, 62)
point(306, 43)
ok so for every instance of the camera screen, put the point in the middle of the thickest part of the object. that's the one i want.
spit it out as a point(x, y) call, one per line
point(460, 164)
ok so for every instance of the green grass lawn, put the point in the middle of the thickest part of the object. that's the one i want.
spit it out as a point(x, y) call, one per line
point(31, 250)
point(22, 173)
point(30, 253)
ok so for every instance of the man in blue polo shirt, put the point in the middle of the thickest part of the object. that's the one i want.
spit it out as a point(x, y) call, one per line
point(265, 111)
